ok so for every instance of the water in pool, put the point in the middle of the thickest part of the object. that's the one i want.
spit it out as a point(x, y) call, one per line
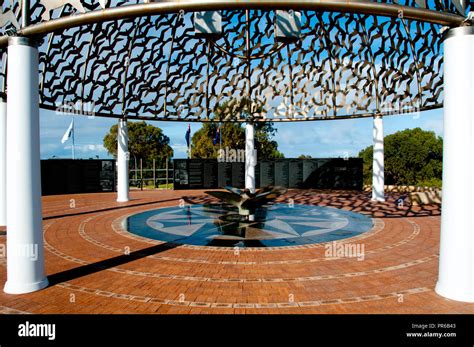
point(277, 225)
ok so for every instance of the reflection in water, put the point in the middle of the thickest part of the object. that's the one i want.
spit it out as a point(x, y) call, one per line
point(250, 227)
point(271, 226)
point(188, 214)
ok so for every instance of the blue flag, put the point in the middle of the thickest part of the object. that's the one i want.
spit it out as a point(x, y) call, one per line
point(217, 137)
point(188, 135)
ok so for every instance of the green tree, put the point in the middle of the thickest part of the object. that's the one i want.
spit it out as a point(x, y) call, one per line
point(367, 157)
point(202, 147)
point(266, 147)
point(412, 157)
point(233, 134)
point(146, 142)
point(304, 156)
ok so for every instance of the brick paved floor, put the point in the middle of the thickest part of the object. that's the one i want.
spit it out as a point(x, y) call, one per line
point(90, 270)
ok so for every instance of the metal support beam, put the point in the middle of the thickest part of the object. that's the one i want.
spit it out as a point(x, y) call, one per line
point(25, 13)
point(131, 11)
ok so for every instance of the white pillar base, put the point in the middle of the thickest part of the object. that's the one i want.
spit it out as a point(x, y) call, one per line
point(453, 293)
point(378, 179)
point(25, 251)
point(250, 157)
point(17, 288)
point(456, 262)
point(123, 157)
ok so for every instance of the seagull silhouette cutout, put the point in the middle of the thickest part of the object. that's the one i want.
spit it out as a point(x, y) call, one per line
point(53, 4)
point(77, 4)
point(8, 17)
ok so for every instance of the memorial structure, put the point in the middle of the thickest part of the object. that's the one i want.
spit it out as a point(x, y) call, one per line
point(336, 173)
point(66, 176)
point(286, 60)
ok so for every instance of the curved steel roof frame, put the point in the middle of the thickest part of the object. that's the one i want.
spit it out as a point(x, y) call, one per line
point(143, 61)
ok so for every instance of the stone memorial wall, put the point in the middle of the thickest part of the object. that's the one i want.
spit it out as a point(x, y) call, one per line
point(334, 173)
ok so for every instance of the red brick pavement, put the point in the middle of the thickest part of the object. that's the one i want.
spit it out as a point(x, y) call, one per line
point(90, 272)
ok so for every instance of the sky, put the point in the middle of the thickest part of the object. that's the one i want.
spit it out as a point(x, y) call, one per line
point(320, 139)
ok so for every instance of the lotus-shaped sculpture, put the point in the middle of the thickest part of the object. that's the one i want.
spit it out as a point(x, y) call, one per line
point(246, 201)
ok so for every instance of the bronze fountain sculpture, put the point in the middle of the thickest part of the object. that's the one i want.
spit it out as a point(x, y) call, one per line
point(246, 201)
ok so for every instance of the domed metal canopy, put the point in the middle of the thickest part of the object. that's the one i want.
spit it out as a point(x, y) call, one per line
point(149, 60)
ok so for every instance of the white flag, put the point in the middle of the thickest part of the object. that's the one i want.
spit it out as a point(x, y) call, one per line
point(68, 132)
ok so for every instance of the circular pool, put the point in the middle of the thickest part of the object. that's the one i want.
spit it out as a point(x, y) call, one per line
point(278, 225)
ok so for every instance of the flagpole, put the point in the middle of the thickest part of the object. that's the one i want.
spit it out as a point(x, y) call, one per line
point(73, 147)
point(220, 137)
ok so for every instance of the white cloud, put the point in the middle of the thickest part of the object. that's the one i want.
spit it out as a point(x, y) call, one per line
point(88, 148)
point(324, 138)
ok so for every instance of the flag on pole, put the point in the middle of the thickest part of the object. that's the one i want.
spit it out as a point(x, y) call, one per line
point(68, 133)
point(188, 135)
point(188, 140)
point(217, 137)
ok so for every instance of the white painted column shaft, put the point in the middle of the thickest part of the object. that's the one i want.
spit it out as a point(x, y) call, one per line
point(378, 180)
point(250, 157)
point(456, 263)
point(123, 157)
point(3, 162)
point(25, 253)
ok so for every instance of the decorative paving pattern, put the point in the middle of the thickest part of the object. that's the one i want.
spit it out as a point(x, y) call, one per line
point(293, 304)
point(378, 226)
point(96, 266)
point(242, 280)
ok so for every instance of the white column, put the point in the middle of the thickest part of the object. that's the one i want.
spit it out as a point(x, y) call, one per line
point(25, 253)
point(456, 263)
point(378, 180)
point(250, 157)
point(123, 157)
point(3, 161)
